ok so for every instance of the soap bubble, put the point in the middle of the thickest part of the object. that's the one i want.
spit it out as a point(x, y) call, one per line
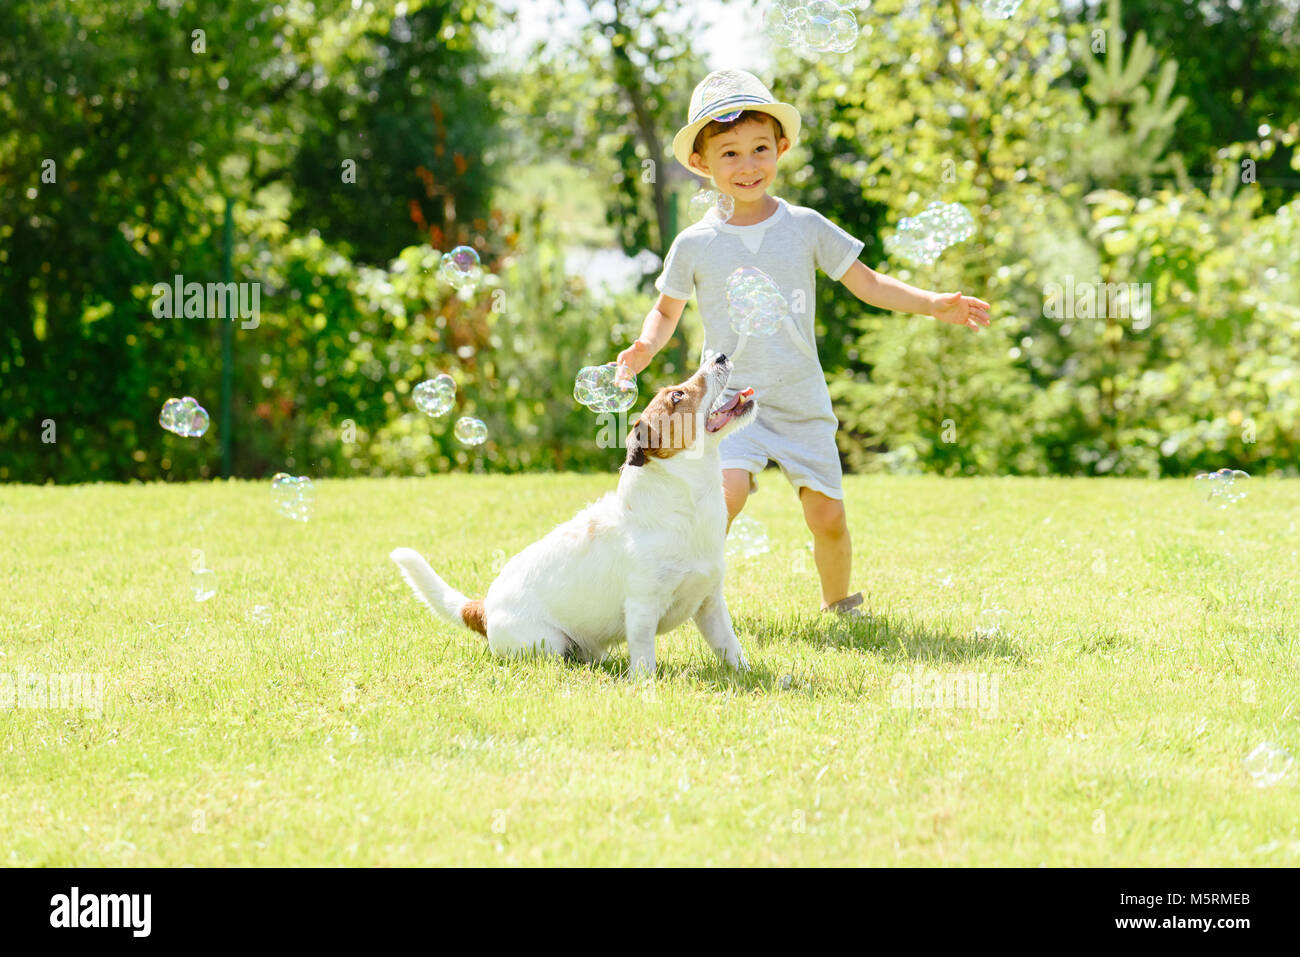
point(713, 201)
point(602, 389)
point(726, 117)
point(778, 25)
point(1223, 486)
point(755, 303)
point(184, 417)
point(435, 396)
point(471, 431)
point(811, 26)
point(1268, 765)
point(293, 495)
point(1000, 9)
point(203, 583)
point(461, 267)
point(817, 27)
point(991, 623)
point(923, 238)
point(844, 32)
point(746, 538)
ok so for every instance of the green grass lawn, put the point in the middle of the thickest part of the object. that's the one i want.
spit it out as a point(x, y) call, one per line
point(1151, 643)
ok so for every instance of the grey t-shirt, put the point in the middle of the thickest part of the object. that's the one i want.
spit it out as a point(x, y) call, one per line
point(788, 246)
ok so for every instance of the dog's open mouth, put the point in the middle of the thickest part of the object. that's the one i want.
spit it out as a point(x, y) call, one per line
point(736, 406)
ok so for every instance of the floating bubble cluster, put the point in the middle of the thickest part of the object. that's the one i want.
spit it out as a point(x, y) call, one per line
point(755, 302)
point(922, 239)
point(811, 26)
point(712, 201)
point(603, 389)
point(462, 268)
point(471, 431)
point(203, 583)
point(293, 495)
point(1268, 765)
point(991, 623)
point(1223, 486)
point(746, 538)
point(1000, 9)
point(435, 396)
point(184, 417)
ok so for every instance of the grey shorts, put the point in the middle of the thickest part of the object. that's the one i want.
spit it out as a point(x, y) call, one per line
point(809, 458)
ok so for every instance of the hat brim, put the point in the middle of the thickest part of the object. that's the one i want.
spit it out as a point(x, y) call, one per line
point(785, 114)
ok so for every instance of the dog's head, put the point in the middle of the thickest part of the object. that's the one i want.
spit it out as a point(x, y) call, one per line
point(690, 416)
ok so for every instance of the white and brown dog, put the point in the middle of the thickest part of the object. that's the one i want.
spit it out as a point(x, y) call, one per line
point(631, 566)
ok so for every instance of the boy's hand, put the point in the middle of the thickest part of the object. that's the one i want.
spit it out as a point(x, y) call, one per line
point(636, 356)
point(961, 310)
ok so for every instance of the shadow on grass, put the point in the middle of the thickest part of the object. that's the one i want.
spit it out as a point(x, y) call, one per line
point(890, 637)
point(701, 665)
point(696, 668)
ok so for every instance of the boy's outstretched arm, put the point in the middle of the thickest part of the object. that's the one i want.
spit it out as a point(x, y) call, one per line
point(655, 333)
point(887, 292)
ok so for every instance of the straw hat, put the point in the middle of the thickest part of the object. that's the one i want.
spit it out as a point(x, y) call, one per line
point(724, 93)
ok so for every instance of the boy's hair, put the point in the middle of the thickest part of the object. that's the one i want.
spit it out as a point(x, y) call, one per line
point(715, 128)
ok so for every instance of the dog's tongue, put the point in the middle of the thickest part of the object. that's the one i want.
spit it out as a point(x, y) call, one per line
point(721, 416)
point(736, 399)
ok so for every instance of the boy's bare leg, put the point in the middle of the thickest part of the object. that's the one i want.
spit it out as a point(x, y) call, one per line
point(735, 489)
point(832, 549)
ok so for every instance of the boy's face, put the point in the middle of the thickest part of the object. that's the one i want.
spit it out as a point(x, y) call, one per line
point(742, 160)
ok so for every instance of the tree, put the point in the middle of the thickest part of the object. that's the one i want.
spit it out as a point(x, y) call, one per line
point(418, 122)
point(610, 103)
point(1239, 63)
point(163, 134)
point(937, 103)
point(948, 106)
point(1132, 125)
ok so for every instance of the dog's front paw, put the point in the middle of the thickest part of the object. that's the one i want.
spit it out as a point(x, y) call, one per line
point(642, 669)
point(738, 661)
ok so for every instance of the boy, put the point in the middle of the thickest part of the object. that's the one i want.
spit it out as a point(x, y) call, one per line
point(736, 135)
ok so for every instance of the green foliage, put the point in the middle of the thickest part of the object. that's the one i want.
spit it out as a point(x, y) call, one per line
point(422, 130)
point(151, 121)
point(955, 108)
point(1068, 159)
point(1133, 124)
point(1238, 64)
point(517, 346)
point(609, 103)
point(939, 104)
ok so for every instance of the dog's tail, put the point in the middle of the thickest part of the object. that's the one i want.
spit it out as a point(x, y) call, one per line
point(443, 600)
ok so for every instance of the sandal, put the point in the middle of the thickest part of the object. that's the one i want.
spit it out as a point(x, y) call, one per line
point(847, 607)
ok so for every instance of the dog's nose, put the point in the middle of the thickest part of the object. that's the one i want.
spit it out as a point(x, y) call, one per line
point(719, 359)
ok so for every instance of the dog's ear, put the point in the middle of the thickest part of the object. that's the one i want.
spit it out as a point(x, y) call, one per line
point(641, 438)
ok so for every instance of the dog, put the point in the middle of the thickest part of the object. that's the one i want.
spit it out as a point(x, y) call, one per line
point(633, 565)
